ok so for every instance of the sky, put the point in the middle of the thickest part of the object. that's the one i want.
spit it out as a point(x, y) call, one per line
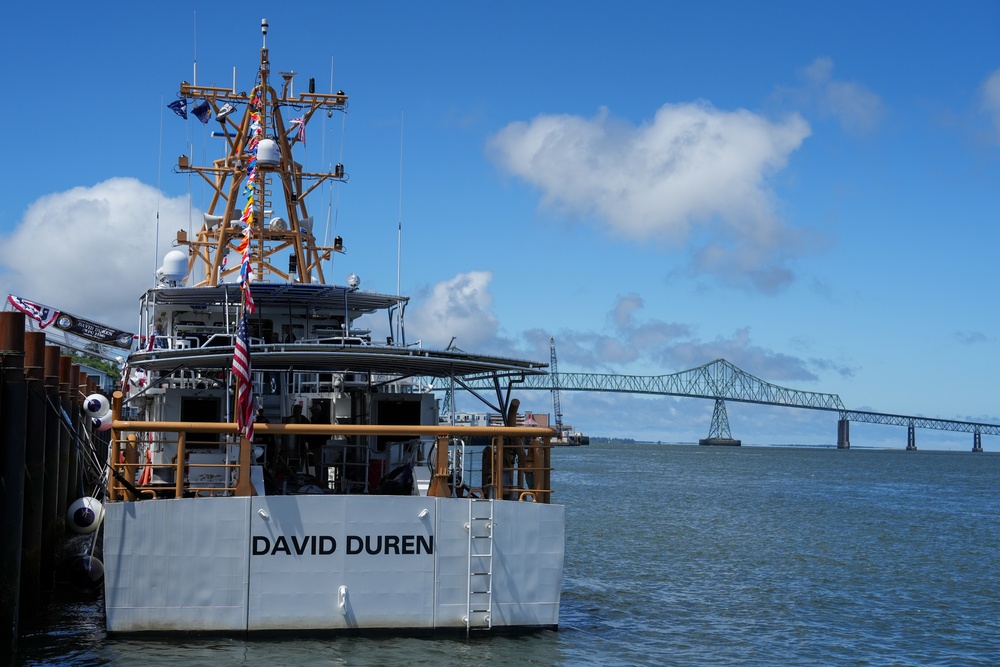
point(808, 191)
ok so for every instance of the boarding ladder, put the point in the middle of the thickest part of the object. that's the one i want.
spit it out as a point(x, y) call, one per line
point(479, 603)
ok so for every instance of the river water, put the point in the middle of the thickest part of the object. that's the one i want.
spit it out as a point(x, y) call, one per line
point(687, 555)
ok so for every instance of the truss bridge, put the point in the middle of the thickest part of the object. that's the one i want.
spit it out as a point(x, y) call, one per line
point(722, 381)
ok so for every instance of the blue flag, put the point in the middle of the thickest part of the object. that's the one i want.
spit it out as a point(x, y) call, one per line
point(180, 108)
point(202, 112)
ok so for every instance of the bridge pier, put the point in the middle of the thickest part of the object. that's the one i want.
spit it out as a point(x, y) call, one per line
point(843, 434)
point(719, 433)
point(911, 438)
point(977, 441)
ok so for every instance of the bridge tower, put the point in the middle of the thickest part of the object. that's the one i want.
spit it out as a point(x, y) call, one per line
point(718, 432)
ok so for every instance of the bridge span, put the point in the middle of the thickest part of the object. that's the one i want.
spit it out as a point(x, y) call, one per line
point(721, 381)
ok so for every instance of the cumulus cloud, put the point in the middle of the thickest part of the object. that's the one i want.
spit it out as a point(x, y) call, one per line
point(855, 107)
point(691, 168)
point(459, 307)
point(634, 343)
point(89, 250)
point(991, 100)
point(629, 339)
point(739, 349)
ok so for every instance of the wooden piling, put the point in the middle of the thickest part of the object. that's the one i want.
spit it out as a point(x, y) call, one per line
point(75, 402)
point(65, 373)
point(53, 520)
point(13, 391)
point(34, 479)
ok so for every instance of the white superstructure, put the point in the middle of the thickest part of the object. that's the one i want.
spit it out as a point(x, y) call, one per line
point(352, 507)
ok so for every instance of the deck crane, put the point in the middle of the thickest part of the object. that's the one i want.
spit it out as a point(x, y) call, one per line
point(554, 374)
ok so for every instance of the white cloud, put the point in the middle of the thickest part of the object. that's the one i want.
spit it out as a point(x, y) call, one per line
point(692, 166)
point(459, 307)
point(991, 100)
point(89, 250)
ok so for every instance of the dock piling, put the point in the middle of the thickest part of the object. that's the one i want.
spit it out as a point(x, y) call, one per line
point(13, 392)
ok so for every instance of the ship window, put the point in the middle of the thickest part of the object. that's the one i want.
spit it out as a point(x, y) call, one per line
point(396, 412)
point(201, 409)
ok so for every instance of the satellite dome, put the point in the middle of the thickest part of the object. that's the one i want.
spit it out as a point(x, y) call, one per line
point(268, 154)
point(175, 265)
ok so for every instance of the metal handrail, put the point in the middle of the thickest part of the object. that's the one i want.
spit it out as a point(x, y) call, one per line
point(503, 438)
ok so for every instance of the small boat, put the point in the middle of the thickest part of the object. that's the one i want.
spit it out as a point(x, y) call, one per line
point(278, 464)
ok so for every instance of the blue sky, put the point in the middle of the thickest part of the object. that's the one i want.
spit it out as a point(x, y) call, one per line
point(810, 192)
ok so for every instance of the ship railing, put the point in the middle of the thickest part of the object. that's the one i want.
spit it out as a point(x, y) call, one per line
point(192, 341)
point(519, 457)
point(203, 473)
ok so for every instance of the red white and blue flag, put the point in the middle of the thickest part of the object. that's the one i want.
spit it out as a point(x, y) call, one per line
point(244, 380)
point(42, 314)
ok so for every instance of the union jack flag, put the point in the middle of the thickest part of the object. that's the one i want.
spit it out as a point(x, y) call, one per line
point(244, 381)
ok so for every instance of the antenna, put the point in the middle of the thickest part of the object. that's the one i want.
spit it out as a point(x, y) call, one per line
point(263, 30)
point(399, 230)
point(194, 79)
point(159, 172)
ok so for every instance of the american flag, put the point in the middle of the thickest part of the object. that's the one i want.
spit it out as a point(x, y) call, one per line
point(244, 383)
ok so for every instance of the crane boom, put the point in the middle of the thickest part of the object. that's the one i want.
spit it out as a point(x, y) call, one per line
point(554, 374)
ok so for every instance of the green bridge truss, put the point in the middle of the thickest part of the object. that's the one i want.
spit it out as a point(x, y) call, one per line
point(718, 380)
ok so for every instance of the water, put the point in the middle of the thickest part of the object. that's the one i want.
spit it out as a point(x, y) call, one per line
point(686, 555)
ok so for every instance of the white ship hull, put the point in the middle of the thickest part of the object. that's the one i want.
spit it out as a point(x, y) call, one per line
point(337, 563)
point(274, 464)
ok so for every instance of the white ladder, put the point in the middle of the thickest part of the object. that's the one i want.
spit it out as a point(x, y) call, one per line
point(479, 603)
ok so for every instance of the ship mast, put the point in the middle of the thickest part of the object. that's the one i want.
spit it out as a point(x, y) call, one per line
point(258, 183)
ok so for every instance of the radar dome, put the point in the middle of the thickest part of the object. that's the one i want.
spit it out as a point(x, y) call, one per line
point(175, 265)
point(268, 153)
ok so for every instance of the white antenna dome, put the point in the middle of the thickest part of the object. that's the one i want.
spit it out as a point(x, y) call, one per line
point(175, 265)
point(268, 154)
